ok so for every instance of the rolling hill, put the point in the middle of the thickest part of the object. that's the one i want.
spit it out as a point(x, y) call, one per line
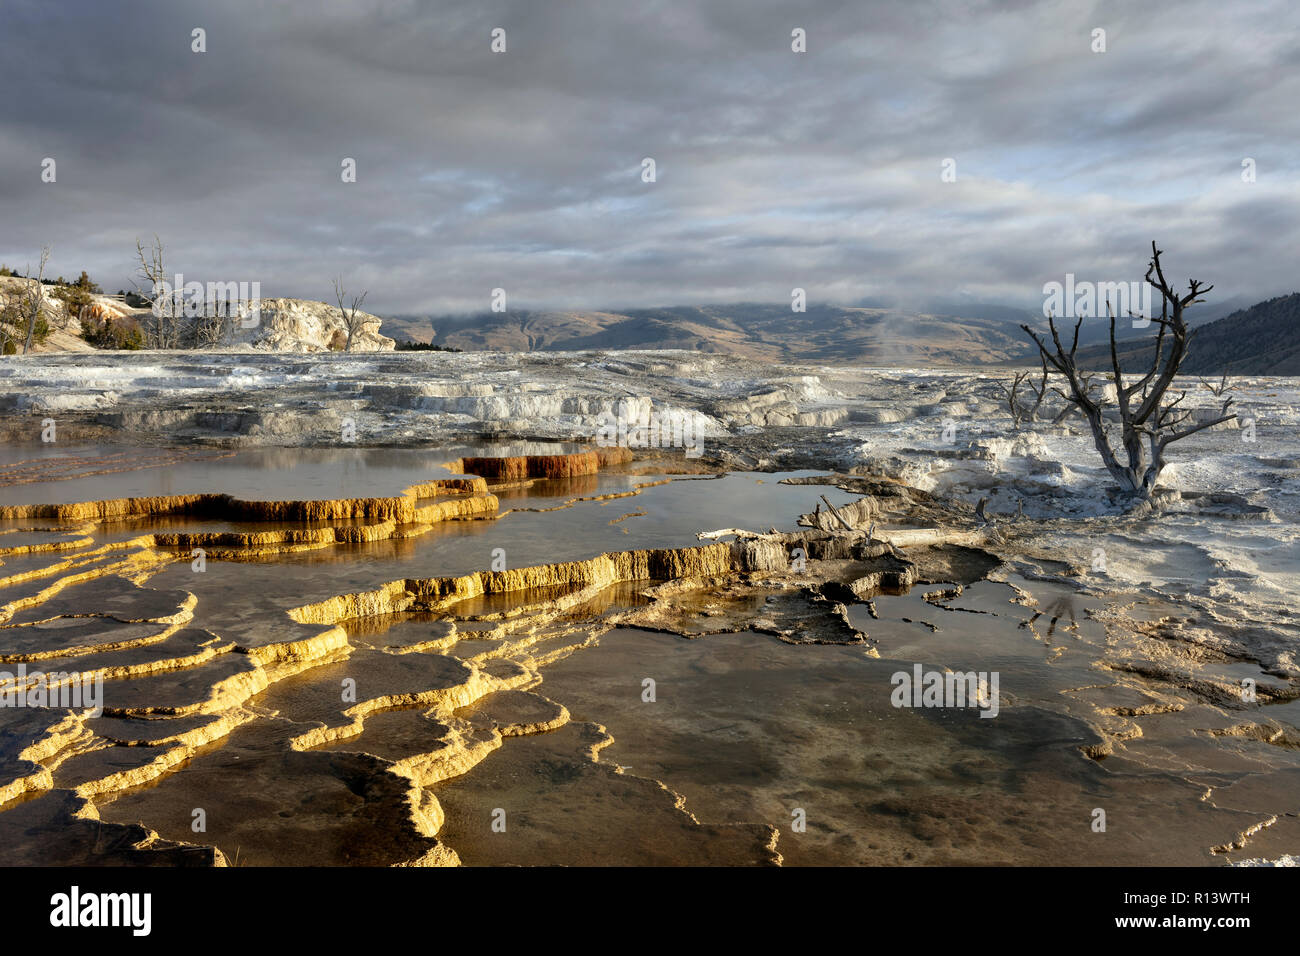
point(942, 333)
point(1261, 340)
point(823, 334)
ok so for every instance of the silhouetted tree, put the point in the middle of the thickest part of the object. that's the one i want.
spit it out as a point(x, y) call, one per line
point(1148, 423)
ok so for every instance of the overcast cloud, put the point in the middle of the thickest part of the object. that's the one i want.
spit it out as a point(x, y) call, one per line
point(522, 170)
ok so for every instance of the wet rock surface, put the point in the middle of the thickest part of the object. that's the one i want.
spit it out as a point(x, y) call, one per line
point(351, 679)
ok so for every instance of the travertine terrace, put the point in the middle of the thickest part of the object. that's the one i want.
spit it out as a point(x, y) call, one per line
point(352, 654)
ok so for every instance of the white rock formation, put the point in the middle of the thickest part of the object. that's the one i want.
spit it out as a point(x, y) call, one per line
point(284, 325)
point(65, 329)
point(301, 325)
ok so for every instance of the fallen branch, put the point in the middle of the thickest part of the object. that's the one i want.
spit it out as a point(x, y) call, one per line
point(838, 517)
point(738, 532)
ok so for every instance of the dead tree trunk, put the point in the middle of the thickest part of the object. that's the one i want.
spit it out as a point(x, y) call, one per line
point(1022, 410)
point(1148, 423)
point(165, 307)
point(36, 301)
point(352, 317)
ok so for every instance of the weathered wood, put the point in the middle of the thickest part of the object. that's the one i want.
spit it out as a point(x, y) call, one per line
point(838, 517)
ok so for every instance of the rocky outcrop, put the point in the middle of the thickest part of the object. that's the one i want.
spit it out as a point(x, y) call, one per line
point(284, 325)
point(402, 509)
point(178, 693)
point(301, 325)
point(520, 467)
point(65, 329)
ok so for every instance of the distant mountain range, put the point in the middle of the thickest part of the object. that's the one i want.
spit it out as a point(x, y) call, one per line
point(822, 334)
point(1261, 340)
point(941, 334)
point(838, 335)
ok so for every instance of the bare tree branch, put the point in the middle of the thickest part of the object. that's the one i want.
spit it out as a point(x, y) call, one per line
point(352, 316)
point(1135, 465)
point(162, 330)
point(35, 300)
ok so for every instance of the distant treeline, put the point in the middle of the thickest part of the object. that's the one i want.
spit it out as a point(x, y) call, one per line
point(408, 346)
point(81, 282)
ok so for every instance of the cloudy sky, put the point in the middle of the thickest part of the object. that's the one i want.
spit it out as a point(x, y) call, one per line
point(775, 169)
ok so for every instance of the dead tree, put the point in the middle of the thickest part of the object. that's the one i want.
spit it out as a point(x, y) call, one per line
point(1020, 410)
point(35, 300)
point(1020, 407)
point(352, 316)
point(1019, 404)
point(1148, 423)
point(163, 330)
point(1220, 390)
point(214, 324)
point(210, 329)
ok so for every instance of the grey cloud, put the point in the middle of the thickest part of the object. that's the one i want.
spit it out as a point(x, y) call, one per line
point(522, 170)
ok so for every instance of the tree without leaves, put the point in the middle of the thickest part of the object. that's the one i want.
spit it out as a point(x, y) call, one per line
point(1019, 404)
point(215, 324)
point(352, 316)
point(1221, 389)
point(35, 299)
point(163, 330)
point(1020, 408)
point(1148, 423)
